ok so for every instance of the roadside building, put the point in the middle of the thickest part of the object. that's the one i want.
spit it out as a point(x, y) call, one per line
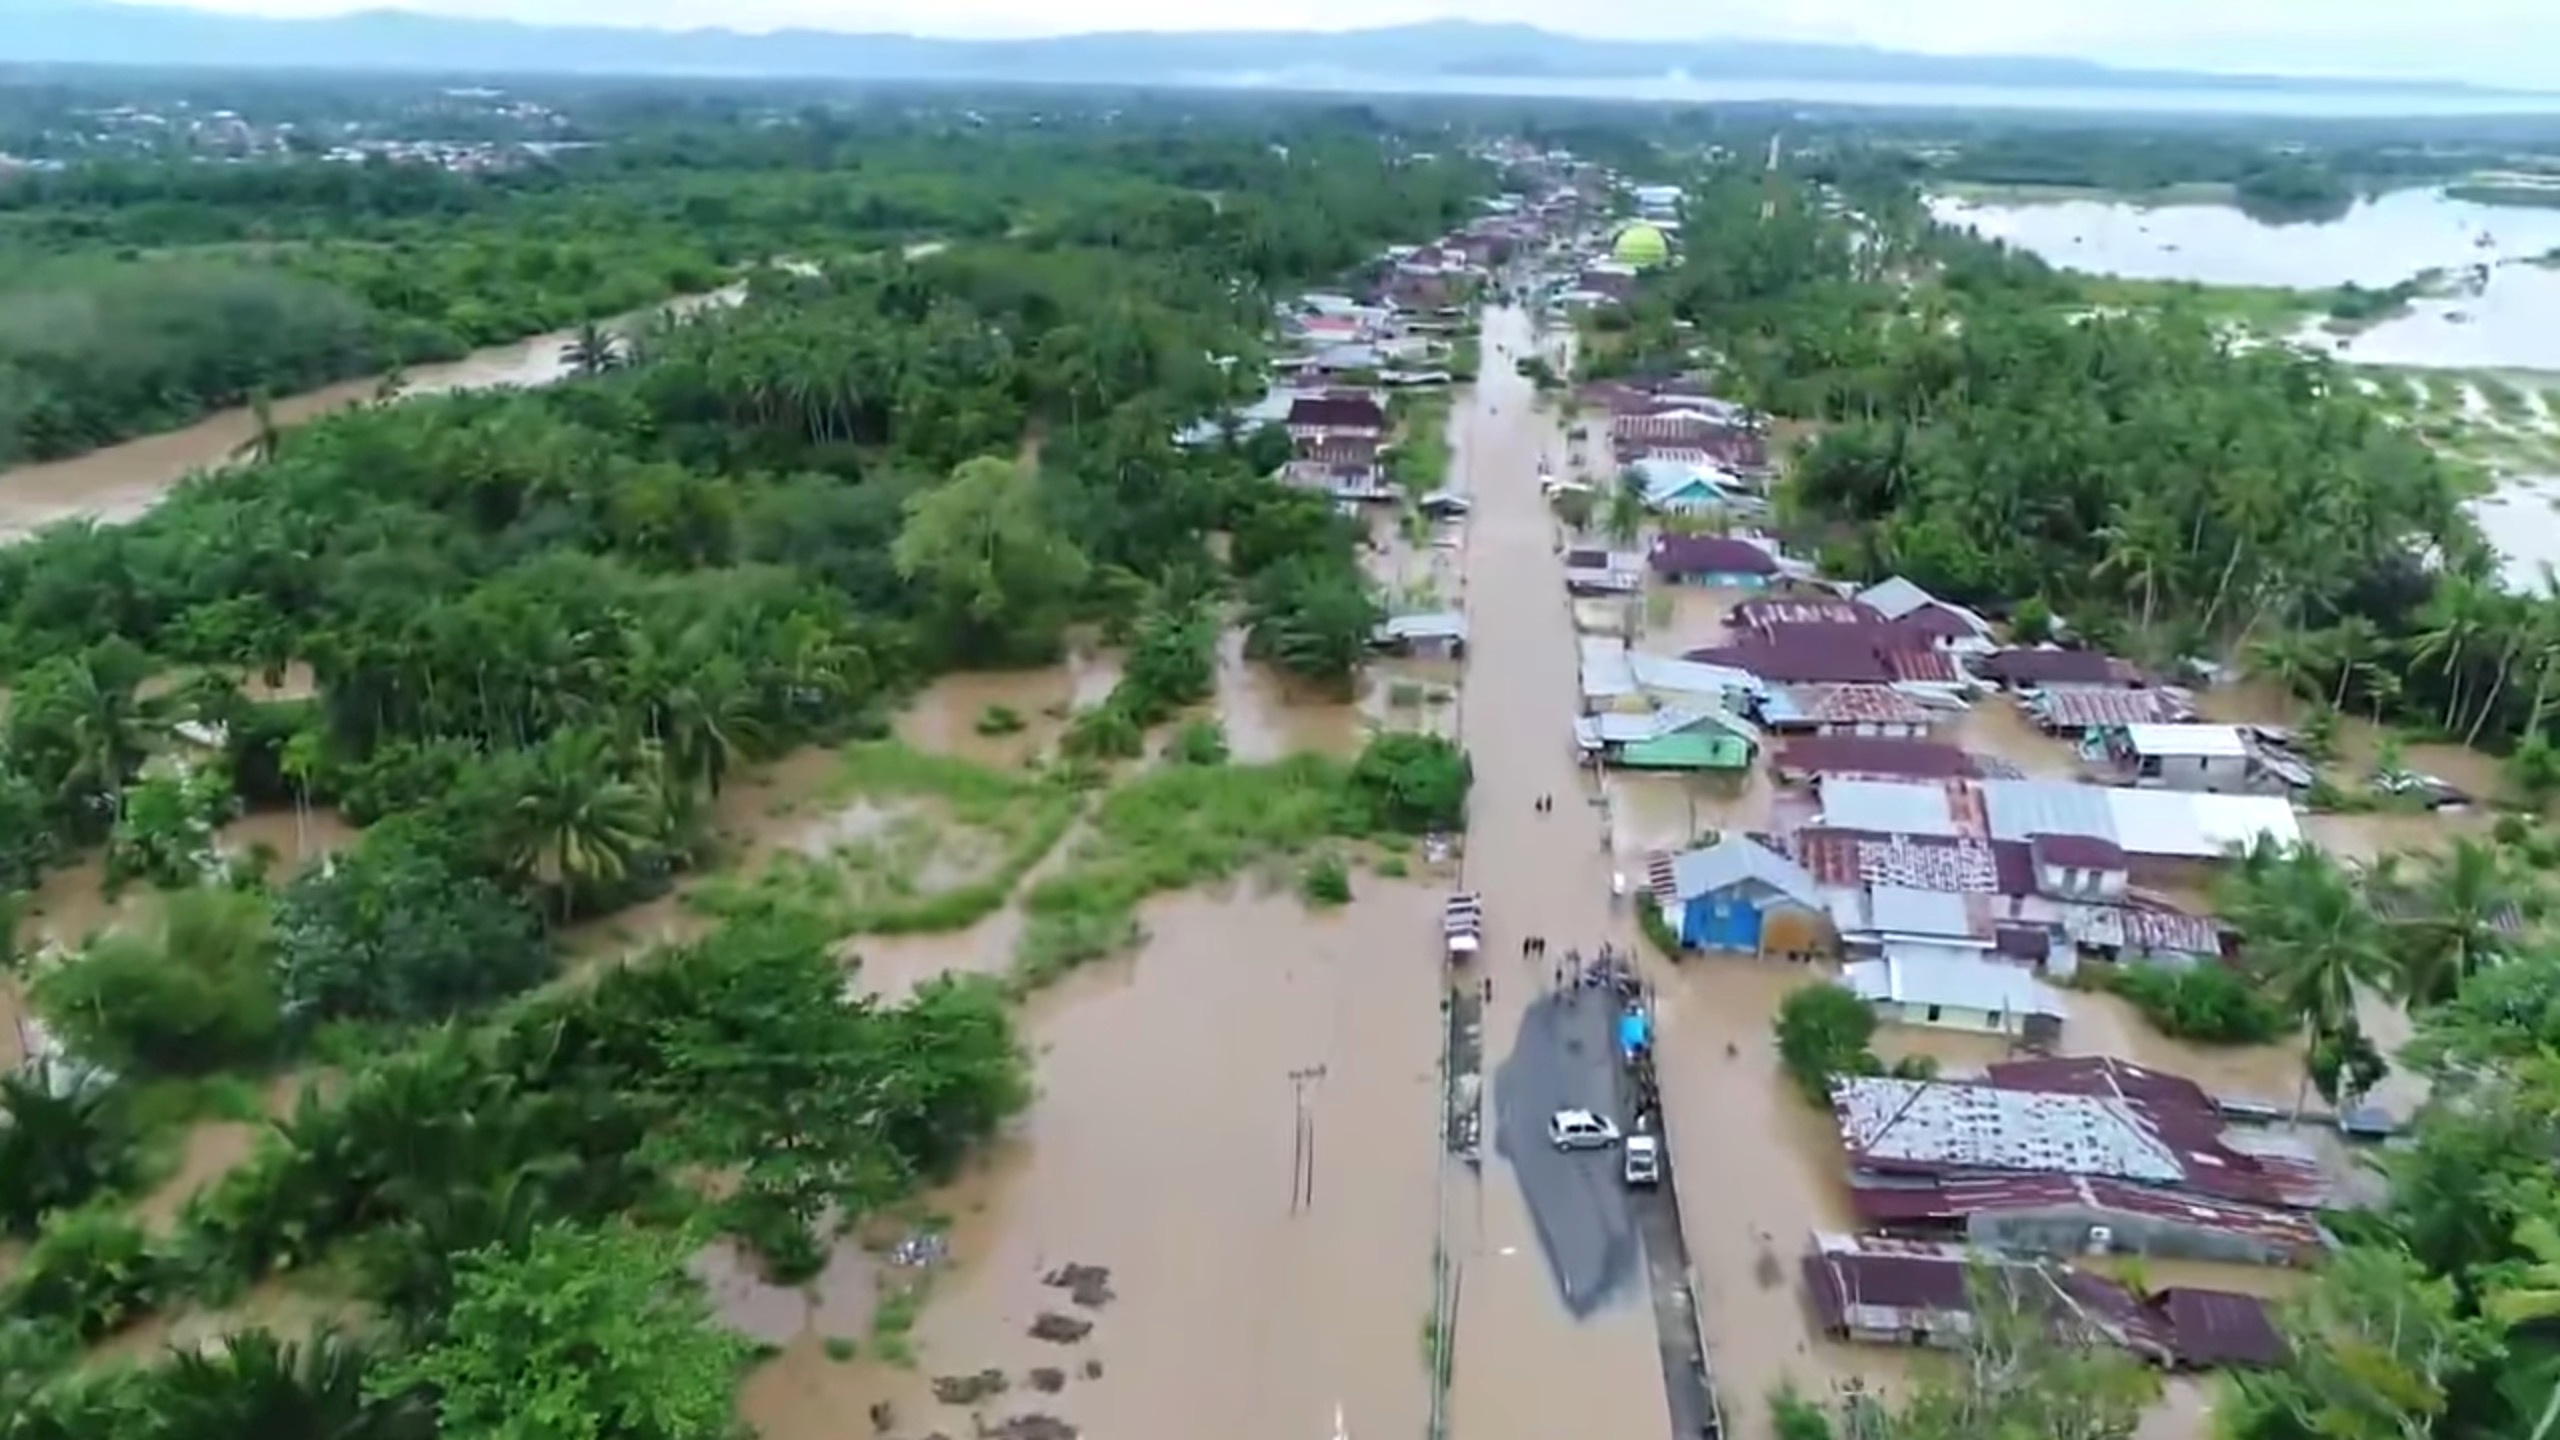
point(1438, 635)
point(1885, 1291)
point(2078, 1156)
point(1720, 561)
point(1337, 415)
point(1805, 758)
point(1603, 572)
point(1669, 739)
point(2212, 758)
point(1741, 895)
point(1953, 988)
point(1872, 711)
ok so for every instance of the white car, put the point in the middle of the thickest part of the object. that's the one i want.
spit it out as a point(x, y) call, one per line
point(1581, 1130)
point(1643, 1161)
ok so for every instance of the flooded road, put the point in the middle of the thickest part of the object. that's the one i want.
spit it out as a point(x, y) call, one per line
point(1524, 1365)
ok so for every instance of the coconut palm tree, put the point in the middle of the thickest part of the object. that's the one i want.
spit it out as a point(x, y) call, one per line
point(2309, 935)
point(581, 820)
point(592, 351)
point(266, 439)
point(2459, 907)
point(256, 1384)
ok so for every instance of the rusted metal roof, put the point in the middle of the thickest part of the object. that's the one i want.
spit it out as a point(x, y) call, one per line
point(1841, 859)
point(1876, 757)
point(2087, 707)
point(1865, 1285)
point(1901, 1200)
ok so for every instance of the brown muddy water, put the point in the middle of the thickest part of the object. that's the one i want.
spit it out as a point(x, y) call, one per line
point(120, 482)
point(1164, 1146)
point(1523, 1365)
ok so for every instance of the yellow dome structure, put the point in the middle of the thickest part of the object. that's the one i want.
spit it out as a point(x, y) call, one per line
point(1642, 246)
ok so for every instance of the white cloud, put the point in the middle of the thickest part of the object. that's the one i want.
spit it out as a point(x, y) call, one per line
point(2501, 41)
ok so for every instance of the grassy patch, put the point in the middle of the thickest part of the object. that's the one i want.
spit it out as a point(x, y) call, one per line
point(938, 812)
point(893, 1324)
point(1170, 830)
point(2271, 308)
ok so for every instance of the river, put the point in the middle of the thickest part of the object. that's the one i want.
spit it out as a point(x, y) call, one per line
point(119, 482)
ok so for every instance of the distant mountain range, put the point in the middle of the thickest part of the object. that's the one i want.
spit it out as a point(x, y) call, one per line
point(98, 32)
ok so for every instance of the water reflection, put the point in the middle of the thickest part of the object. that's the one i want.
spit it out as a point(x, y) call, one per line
point(2515, 323)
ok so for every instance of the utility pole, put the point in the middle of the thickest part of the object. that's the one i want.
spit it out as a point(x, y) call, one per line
point(1302, 1159)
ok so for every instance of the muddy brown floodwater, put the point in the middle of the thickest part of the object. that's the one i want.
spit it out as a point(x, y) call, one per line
point(1523, 1366)
point(120, 482)
point(1164, 1145)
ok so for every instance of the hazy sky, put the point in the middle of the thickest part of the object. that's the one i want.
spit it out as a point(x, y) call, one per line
point(2510, 41)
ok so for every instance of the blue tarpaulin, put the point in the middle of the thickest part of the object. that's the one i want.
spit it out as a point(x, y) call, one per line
point(1634, 1031)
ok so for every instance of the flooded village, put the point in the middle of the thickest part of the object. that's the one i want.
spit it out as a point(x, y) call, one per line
point(1300, 1169)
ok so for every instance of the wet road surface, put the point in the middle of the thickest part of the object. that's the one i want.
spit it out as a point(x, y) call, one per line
point(1561, 1060)
point(1525, 1366)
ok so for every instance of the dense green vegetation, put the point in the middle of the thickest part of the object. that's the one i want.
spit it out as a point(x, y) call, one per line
point(2170, 492)
point(546, 632)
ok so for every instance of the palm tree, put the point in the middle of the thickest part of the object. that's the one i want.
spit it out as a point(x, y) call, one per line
point(592, 351)
point(2462, 904)
point(298, 762)
point(580, 821)
point(2289, 658)
point(256, 1384)
point(2309, 935)
point(2531, 1295)
point(265, 437)
point(2458, 616)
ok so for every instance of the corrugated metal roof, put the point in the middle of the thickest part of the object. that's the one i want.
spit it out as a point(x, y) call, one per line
point(2086, 707)
point(1888, 806)
point(2188, 742)
point(1898, 910)
point(2024, 809)
point(1442, 625)
point(2187, 825)
point(1738, 861)
point(1945, 975)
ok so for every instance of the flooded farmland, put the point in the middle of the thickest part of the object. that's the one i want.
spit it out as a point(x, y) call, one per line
point(1254, 1288)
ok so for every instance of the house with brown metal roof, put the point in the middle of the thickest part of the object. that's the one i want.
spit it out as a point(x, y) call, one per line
point(1336, 415)
point(1715, 560)
point(2079, 1155)
point(1898, 1292)
point(2071, 711)
point(2028, 669)
point(1844, 710)
point(1805, 757)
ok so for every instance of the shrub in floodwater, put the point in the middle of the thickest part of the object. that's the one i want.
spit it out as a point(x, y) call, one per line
point(1198, 742)
point(1327, 882)
point(1392, 867)
point(2209, 1002)
point(1000, 720)
point(1413, 783)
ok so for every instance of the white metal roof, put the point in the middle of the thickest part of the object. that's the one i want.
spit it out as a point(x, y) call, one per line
point(1940, 975)
point(2197, 742)
point(2183, 825)
point(1888, 806)
point(1605, 671)
point(1901, 910)
point(1689, 677)
point(1737, 861)
point(2023, 809)
point(1438, 625)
